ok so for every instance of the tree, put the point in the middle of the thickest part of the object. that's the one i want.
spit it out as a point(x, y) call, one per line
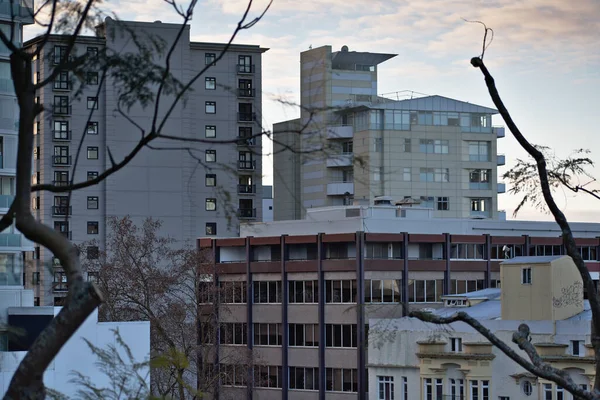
point(144, 79)
point(547, 179)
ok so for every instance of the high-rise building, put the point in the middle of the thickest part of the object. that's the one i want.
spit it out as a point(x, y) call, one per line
point(12, 243)
point(355, 145)
point(204, 191)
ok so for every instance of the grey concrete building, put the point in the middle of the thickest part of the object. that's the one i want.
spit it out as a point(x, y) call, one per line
point(185, 189)
point(430, 150)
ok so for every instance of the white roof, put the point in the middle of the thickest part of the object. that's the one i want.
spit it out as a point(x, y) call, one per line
point(489, 294)
point(532, 260)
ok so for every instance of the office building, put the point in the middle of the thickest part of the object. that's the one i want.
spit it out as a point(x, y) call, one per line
point(356, 144)
point(409, 359)
point(204, 191)
point(302, 292)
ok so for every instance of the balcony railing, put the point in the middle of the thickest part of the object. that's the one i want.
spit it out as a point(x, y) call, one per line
point(246, 116)
point(246, 141)
point(242, 92)
point(246, 213)
point(61, 210)
point(479, 185)
point(245, 68)
point(247, 165)
point(60, 183)
point(61, 160)
point(247, 189)
point(61, 110)
point(61, 136)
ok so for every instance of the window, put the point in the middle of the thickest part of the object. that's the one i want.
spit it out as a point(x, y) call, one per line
point(457, 389)
point(575, 348)
point(267, 334)
point(431, 146)
point(459, 286)
point(560, 393)
point(304, 378)
point(547, 387)
point(385, 387)
point(92, 103)
point(233, 333)
point(61, 130)
point(527, 388)
point(92, 227)
point(210, 156)
point(479, 205)
point(210, 83)
point(266, 292)
point(468, 251)
point(378, 145)
point(588, 253)
point(211, 228)
point(425, 291)
point(232, 292)
point(62, 227)
point(92, 153)
point(210, 131)
point(443, 204)
point(92, 202)
point(526, 276)
point(209, 58)
point(341, 380)
point(404, 388)
point(92, 252)
point(270, 376)
point(427, 389)
point(92, 52)
point(387, 291)
point(210, 107)
point(501, 252)
point(92, 128)
point(340, 335)
point(210, 180)
point(303, 335)
point(91, 175)
point(474, 390)
point(406, 174)
point(407, 145)
point(245, 64)
point(61, 155)
point(456, 345)
point(36, 153)
point(211, 204)
point(61, 105)
point(92, 78)
point(61, 82)
point(434, 174)
point(35, 278)
point(37, 128)
point(485, 390)
point(479, 179)
point(347, 147)
point(303, 291)
point(546, 250)
point(377, 174)
point(479, 151)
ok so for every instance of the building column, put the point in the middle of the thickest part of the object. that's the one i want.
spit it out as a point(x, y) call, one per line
point(249, 324)
point(405, 275)
point(447, 272)
point(488, 263)
point(321, 280)
point(360, 316)
point(284, 320)
point(526, 245)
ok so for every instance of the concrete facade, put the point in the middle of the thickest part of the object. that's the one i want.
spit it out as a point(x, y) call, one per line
point(168, 185)
point(357, 145)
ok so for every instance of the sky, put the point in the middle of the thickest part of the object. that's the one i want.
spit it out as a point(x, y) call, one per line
point(544, 58)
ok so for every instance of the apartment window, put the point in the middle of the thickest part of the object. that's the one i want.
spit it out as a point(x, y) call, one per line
point(406, 174)
point(385, 387)
point(588, 253)
point(378, 148)
point(457, 389)
point(434, 175)
point(456, 345)
point(407, 145)
point(91, 175)
point(36, 253)
point(211, 204)
point(501, 252)
point(425, 291)
point(340, 291)
point(547, 388)
point(303, 335)
point(459, 286)
point(377, 174)
point(474, 390)
point(347, 147)
point(575, 348)
point(479, 205)
point(383, 291)
point(61, 105)
point(527, 388)
point(468, 251)
point(92, 252)
point(232, 292)
point(526, 276)
point(304, 378)
point(443, 204)
point(92, 202)
point(210, 83)
point(92, 103)
point(210, 180)
point(92, 52)
point(341, 380)
point(92, 153)
point(267, 334)
point(245, 64)
point(479, 151)
point(35, 278)
point(210, 156)
point(234, 333)
point(61, 82)
point(92, 78)
point(340, 335)
point(303, 291)
point(209, 58)
point(61, 155)
point(266, 292)
point(92, 227)
point(210, 131)
point(62, 227)
point(211, 228)
point(61, 130)
point(269, 376)
point(92, 128)
point(431, 146)
point(546, 250)
point(384, 250)
point(427, 389)
point(485, 390)
point(210, 107)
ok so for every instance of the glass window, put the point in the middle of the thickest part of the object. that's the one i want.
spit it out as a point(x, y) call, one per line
point(209, 58)
point(210, 83)
point(92, 103)
point(92, 202)
point(91, 175)
point(211, 228)
point(92, 128)
point(211, 180)
point(210, 107)
point(92, 153)
point(92, 227)
point(210, 156)
point(211, 204)
point(210, 131)
point(92, 78)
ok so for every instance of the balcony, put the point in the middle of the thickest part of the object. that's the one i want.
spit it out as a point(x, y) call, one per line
point(246, 141)
point(60, 183)
point(246, 213)
point(243, 69)
point(10, 240)
point(246, 165)
point(61, 136)
point(58, 211)
point(61, 160)
point(340, 188)
point(501, 160)
point(61, 110)
point(340, 160)
point(501, 187)
point(246, 93)
point(246, 189)
point(246, 117)
point(340, 132)
point(6, 200)
point(498, 131)
point(479, 186)
point(479, 157)
point(480, 214)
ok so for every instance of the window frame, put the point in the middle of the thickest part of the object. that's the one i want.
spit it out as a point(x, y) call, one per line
point(210, 83)
point(210, 229)
point(91, 78)
point(94, 105)
point(207, 177)
point(91, 200)
point(210, 128)
point(210, 152)
point(526, 276)
point(93, 131)
point(210, 204)
point(93, 227)
point(90, 152)
point(208, 105)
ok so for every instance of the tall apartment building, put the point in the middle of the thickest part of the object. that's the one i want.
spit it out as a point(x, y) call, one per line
point(300, 294)
point(434, 151)
point(12, 243)
point(185, 193)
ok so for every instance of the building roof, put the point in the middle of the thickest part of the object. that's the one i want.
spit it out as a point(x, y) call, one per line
point(348, 59)
point(531, 260)
point(486, 310)
point(488, 294)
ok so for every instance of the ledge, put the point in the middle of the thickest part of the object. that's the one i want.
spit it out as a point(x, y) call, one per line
point(457, 356)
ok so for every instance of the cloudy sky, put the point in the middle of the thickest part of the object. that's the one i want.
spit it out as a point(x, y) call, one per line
point(545, 58)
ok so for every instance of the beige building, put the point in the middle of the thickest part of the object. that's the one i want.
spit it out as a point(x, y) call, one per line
point(409, 360)
point(357, 145)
